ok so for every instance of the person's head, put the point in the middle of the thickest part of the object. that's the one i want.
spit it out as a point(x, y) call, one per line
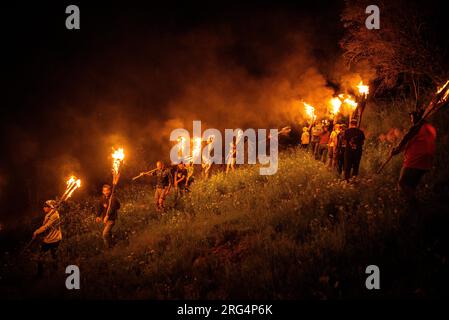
point(181, 165)
point(159, 165)
point(342, 127)
point(337, 127)
point(106, 190)
point(49, 205)
point(353, 123)
point(305, 129)
point(415, 116)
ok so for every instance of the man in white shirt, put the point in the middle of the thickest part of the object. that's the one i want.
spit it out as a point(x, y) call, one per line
point(50, 232)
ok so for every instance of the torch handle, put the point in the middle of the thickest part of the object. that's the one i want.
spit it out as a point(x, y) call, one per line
point(144, 174)
point(106, 218)
point(384, 164)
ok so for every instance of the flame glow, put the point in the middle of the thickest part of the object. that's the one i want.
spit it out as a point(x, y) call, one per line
point(72, 184)
point(182, 146)
point(239, 136)
point(348, 100)
point(336, 104)
point(196, 150)
point(117, 159)
point(310, 111)
point(446, 95)
point(363, 89)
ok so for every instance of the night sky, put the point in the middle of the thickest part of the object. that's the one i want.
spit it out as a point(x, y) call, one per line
point(136, 70)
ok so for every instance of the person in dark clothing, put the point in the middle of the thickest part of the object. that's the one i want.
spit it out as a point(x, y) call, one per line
point(354, 139)
point(315, 140)
point(180, 178)
point(190, 172)
point(163, 185)
point(108, 217)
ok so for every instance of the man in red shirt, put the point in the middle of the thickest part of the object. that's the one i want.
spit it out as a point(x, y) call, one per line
point(322, 147)
point(419, 152)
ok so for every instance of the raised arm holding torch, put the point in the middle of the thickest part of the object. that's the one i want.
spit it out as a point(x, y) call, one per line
point(51, 227)
point(439, 101)
point(146, 173)
point(117, 160)
point(52, 215)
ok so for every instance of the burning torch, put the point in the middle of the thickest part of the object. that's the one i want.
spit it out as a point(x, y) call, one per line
point(363, 91)
point(335, 103)
point(439, 101)
point(118, 156)
point(310, 111)
point(72, 184)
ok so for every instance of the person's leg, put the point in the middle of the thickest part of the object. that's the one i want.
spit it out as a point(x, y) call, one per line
point(164, 193)
point(347, 164)
point(356, 163)
point(330, 153)
point(157, 194)
point(41, 257)
point(409, 180)
point(323, 153)
point(54, 255)
point(334, 158)
point(107, 233)
point(341, 160)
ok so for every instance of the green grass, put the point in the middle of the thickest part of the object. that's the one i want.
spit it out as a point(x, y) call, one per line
point(302, 233)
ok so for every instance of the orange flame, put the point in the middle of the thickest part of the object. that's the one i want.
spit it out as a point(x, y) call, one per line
point(446, 95)
point(310, 111)
point(336, 104)
point(182, 145)
point(196, 147)
point(117, 159)
point(72, 184)
point(363, 89)
point(347, 100)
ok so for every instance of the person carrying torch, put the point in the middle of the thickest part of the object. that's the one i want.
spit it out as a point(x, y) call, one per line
point(50, 231)
point(164, 180)
point(52, 235)
point(107, 212)
point(108, 205)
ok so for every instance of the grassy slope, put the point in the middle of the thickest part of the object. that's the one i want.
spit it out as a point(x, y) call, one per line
point(301, 233)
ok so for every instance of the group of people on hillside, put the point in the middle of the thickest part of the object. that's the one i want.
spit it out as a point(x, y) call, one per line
point(338, 147)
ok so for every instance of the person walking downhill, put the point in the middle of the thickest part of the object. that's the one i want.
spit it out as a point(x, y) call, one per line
point(180, 179)
point(163, 185)
point(52, 236)
point(107, 215)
